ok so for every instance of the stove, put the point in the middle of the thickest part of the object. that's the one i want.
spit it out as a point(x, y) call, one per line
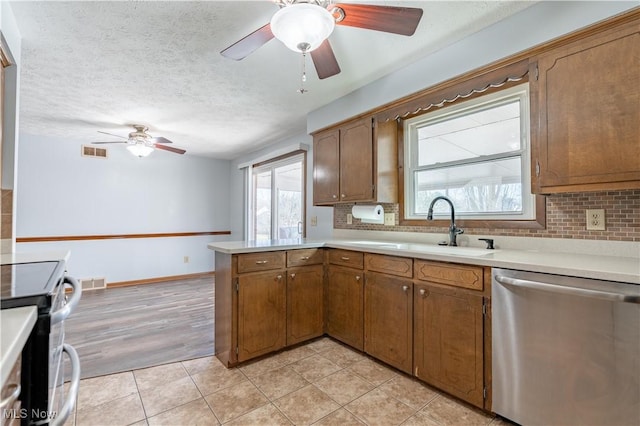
point(42, 378)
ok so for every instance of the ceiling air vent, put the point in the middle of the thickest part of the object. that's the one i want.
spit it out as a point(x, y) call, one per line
point(92, 151)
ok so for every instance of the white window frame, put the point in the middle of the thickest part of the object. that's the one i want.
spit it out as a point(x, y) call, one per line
point(411, 126)
point(272, 165)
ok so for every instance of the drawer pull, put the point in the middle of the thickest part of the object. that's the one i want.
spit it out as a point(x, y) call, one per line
point(405, 288)
point(304, 258)
point(346, 259)
point(293, 276)
point(261, 262)
point(279, 277)
point(357, 277)
point(423, 292)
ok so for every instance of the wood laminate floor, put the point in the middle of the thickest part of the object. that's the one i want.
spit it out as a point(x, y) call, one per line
point(128, 328)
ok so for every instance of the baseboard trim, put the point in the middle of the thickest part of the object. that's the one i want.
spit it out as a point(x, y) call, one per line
point(161, 279)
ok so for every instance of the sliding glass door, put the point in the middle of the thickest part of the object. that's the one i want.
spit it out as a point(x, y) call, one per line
point(278, 199)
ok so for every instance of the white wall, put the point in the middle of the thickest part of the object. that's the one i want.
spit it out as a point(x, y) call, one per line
point(324, 215)
point(537, 24)
point(61, 193)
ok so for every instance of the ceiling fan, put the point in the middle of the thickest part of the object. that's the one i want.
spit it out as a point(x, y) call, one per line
point(140, 143)
point(303, 26)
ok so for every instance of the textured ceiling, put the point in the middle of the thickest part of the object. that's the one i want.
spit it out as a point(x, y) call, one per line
point(89, 66)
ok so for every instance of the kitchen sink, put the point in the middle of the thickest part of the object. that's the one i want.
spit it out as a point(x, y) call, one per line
point(425, 248)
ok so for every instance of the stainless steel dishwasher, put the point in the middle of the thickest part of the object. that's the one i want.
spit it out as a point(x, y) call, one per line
point(566, 351)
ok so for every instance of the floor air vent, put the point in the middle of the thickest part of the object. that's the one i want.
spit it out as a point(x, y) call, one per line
point(92, 151)
point(93, 283)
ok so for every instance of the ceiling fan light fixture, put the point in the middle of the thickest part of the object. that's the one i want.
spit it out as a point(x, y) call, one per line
point(140, 149)
point(302, 27)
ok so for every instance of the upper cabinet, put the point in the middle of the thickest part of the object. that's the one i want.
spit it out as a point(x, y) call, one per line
point(585, 110)
point(356, 162)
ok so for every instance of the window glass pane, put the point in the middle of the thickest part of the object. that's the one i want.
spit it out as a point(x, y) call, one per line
point(488, 187)
point(289, 200)
point(263, 205)
point(483, 132)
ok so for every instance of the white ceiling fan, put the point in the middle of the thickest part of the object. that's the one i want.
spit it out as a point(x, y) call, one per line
point(140, 143)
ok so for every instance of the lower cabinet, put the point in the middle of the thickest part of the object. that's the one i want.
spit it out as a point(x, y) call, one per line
point(448, 340)
point(305, 289)
point(345, 305)
point(388, 319)
point(261, 314)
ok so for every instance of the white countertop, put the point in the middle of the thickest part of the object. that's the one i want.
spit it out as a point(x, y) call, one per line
point(16, 325)
point(11, 258)
point(612, 268)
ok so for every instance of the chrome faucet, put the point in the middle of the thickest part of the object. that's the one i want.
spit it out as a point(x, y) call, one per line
point(453, 230)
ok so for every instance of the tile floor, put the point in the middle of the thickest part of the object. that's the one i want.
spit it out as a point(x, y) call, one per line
point(321, 383)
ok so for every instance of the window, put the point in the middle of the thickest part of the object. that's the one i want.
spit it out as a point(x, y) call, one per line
point(474, 152)
point(278, 199)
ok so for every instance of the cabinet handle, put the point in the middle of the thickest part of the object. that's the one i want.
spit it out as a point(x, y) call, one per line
point(423, 292)
point(357, 277)
point(293, 276)
point(279, 277)
point(304, 258)
point(343, 195)
point(261, 262)
point(405, 288)
point(334, 196)
point(344, 258)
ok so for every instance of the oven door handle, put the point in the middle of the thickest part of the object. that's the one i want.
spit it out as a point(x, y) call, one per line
point(62, 313)
point(573, 291)
point(72, 396)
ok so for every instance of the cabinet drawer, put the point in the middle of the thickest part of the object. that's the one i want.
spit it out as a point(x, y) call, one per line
point(263, 261)
point(392, 265)
point(353, 259)
point(465, 276)
point(304, 257)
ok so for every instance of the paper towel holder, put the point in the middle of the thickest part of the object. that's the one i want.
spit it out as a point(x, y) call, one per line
point(368, 213)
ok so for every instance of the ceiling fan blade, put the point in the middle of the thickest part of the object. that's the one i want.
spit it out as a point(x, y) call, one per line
point(160, 139)
point(245, 46)
point(170, 148)
point(325, 60)
point(390, 19)
point(109, 142)
point(111, 134)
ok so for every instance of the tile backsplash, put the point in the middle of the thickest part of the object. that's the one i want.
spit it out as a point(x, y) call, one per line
point(565, 218)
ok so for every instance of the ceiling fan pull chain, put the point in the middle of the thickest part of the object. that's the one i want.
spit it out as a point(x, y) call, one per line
point(303, 77)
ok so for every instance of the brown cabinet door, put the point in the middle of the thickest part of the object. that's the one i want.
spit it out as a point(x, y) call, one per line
point(345, 305)
point(588, 114)
point(448, 340)
point(326, 161)
point(304, 303)
point(356, 161)
point(261, 314)
point(388, 320)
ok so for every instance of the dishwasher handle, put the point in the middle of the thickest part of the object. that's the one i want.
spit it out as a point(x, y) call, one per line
point(67, 408)
point(574, 291)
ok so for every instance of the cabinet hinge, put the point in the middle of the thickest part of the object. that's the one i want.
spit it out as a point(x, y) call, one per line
point(536, 72)
point(537, 168)
point(484, 308)
point(237, 285)
point(237, 350)
point(373, 190)
point(484, 393)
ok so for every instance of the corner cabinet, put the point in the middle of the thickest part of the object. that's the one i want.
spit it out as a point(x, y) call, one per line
point(585, 113)
point(356, 162)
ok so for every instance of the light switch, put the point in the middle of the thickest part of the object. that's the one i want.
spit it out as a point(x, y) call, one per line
point(314, 220)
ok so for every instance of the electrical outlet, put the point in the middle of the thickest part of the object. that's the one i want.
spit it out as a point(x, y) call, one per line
point(186, 259)
point(389, 219)
point(349, 219)
point(595, 220)
point(314, 220)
